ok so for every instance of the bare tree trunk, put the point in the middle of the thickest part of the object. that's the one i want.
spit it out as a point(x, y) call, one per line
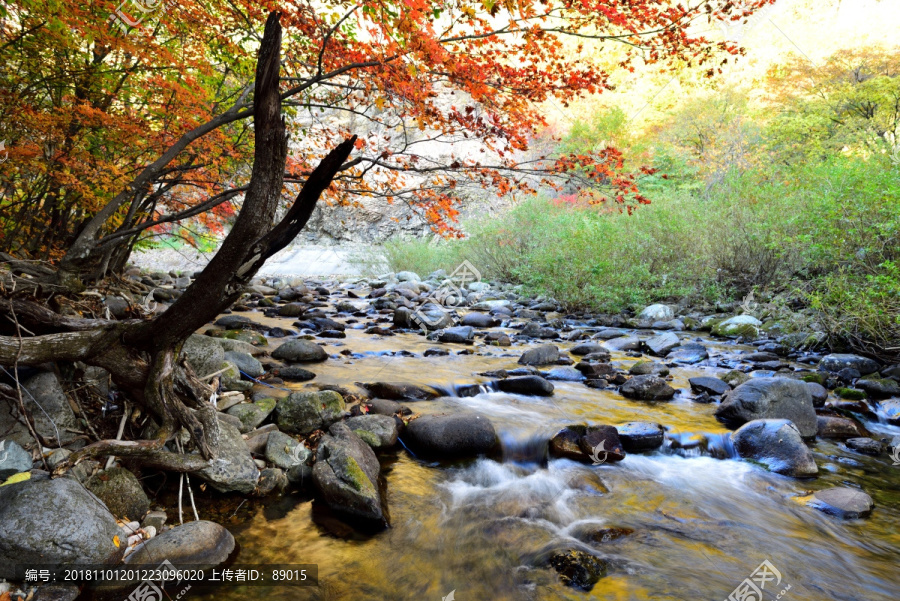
point(142, 356)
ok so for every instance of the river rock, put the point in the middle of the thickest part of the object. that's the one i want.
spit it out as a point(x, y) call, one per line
point(587, 348)
point(400, 391)
point(609, 333)
point(864, 445)
point(546, 354)
point(843, 502)
point(377, 431)
point(252, 414)
point(593, 371)
point(643, 368)
point(588, 444)
point(688, 353)
point(657, 313)
point(299, 350)
point(294, 373)
point(454, 436)
point(306, 412)
point(564, 374)
point(713, 386)
point(838, 428)
point(58, 521)
point(663, 344)
point(837, 361)
point(647, 388)
point(56, 418)
point(246, 363)
point(578, 569)
point(878, 388)
point(13, 459)
point(121, 492)
point(527, 385)
point(430, 316)
point(480, 320)
point(199, 544)
point(739, 325)
point(818, 392)
point(777, 444)
point(285, 452)
point(770, 398)
point(346, 474)
point(622, 344)
point(204, 354)
point(641, 436)
point(459, 334)
point(233, 469)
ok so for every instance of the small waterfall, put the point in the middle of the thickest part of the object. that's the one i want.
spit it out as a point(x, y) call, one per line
point(690, 444)
point(527, 448)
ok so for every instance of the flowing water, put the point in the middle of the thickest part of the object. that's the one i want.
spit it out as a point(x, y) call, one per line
point(695, 526)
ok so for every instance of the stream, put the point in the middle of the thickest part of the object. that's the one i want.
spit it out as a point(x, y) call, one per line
point(674, 524)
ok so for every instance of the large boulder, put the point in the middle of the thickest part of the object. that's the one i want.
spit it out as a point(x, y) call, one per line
point(777, 444)
point(233, 470)
point(121, 492)
point(299, 350)
point(198, 544)
point(837, 362)
point(647, 388)
point(740, 325)
point(588, 444)
point(451, 436)
point(657, 313)
point(346, 474)
point(546, 354)
point(306, 412)
point(527, 385)
point(587, 348)
point(46, 401)
point(55, 522)
point(204, 354)
point(377, 431)
point(770, 398)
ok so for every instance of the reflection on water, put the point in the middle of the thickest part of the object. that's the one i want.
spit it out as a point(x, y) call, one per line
point(688, 526)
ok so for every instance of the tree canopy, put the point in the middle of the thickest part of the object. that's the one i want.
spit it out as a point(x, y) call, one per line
point(118, 117)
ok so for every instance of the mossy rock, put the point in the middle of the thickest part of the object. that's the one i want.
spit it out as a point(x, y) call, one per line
point(121, 492)
point(734, 378)
point(691, 324)
point(254, 338)
point(816, 377)
point(354, 475)
point(850, 394)
point(369, 438)
point(265, 302)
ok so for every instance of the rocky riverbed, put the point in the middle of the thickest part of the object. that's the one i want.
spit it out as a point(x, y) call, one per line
point(500, 447)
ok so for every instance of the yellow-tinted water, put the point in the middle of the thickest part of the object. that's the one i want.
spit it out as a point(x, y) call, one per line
point(701, 525)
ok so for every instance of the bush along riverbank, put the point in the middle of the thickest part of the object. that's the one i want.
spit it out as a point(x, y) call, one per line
point(295, 414)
